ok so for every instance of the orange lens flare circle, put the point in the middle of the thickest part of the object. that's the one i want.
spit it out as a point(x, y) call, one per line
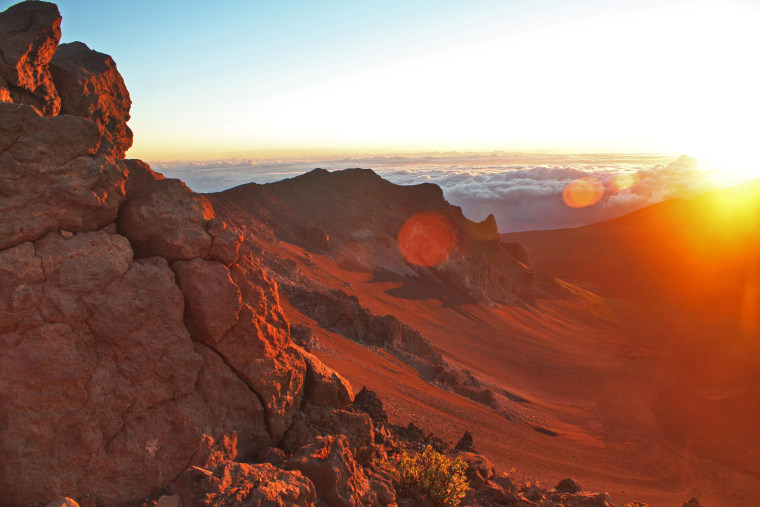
point(583, 192)
point(426, 239)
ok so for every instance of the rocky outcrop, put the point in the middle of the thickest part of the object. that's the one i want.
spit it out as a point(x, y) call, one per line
point(29, 35)
point(245, 485)
point(134, 340)
point(51, 178)
point(91, 87)
point(330, 465)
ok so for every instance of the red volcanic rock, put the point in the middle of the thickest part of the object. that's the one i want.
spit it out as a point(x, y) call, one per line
point(29, 35)
point(165, 218)
point(50, 179)
point(226, 241)
point(233, 406)
point(245, 486)
point(91, 87)
point(355, 427)
point(324, 386)
point(63, 502)
point(569, 486)
point(212, 298)
point(338, 479)
point(242, 323)
point(102, 389)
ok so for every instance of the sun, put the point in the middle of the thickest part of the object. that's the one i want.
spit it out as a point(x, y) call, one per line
point(731, 166)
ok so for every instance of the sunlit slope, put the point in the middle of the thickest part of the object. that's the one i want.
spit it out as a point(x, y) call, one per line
point(700, 255)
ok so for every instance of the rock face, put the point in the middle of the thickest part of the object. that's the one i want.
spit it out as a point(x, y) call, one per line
point(134, 340)
point(92, 88)
point(29, 35)
point(245, 486)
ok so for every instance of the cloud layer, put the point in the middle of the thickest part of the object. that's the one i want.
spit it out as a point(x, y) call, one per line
point(524, 192)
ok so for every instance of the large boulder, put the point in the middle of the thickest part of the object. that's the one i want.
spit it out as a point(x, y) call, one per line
point(91, 87)
point(50, 178)
point(29, 35)
point(102, 390)
point(339, 480)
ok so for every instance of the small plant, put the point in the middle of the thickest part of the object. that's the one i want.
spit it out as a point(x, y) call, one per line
point(441, 478)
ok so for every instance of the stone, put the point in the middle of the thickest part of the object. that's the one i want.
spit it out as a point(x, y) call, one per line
point(569, 486)
point(324, 387)
point(164, 218)
point(226, 241)
point(355, 427)
point(62, 502)
point(479, 469)
point(50, 179)
point(29, 36)
point(91, 87)
point(213, 300)
point(368, 402)
point(465, 443)
point(338, 479)
point(106, 394)
point(244, 485)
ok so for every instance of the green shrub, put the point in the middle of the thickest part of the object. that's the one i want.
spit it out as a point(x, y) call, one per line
point(431, 472)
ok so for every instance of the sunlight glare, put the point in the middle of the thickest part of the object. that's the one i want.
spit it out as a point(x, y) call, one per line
point(583, 192)
point(426, 239)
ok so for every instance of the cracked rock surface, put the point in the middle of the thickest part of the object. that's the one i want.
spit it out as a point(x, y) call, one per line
point(134, 341)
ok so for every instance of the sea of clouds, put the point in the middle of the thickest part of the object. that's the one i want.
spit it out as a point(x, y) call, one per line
point(522, 191)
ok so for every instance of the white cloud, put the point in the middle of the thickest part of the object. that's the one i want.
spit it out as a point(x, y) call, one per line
point(523, 192)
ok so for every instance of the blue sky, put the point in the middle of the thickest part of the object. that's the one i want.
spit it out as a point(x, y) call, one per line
point(255, 78)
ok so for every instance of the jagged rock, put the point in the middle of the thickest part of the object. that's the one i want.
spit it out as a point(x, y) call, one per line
point(165, 218)
point(304, 336)
point(244, 485)
point(338, 479)
point(213, 300)
point(63, 502)
point(493, 493)
point(368, 402)
point(355, 427)
point(693, 502)
point(29, 35)
point(479, 469)
point(242, 324)
point(465, 443)
point(341, 313)
point(49, 178)
point(225, 241)
point(381, 487)
point(272, 455)
point(324, 387)
point(83, 351)
point(504, 481)
point(234, 407)
point(91, 87)
point(569, 486)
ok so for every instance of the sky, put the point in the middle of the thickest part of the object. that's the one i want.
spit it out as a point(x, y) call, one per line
point(255, 79)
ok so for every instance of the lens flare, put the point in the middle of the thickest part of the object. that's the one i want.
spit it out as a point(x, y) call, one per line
point(426, 239)
point(622, 181)
point(583, 192)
